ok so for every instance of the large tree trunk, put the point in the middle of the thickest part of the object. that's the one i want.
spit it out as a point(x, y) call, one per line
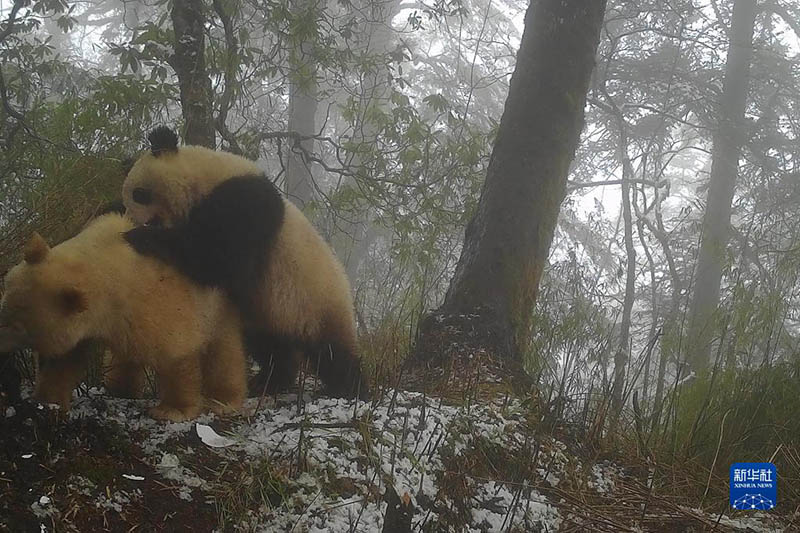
point(724, 169)
point(508, 239)
point(188, 20)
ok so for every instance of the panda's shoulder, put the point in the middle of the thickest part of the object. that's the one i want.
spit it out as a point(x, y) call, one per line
point(203, 156)
point(106, 230)
point(110, 222)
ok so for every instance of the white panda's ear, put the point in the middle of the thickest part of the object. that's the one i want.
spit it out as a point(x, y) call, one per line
point(36, 249)
point(162, 140)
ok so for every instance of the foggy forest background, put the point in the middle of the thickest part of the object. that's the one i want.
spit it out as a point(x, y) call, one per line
point(667, 320)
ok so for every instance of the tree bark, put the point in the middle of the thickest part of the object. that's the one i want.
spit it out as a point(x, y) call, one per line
point(373, 92)
point(508, 239)
point(670, 340)
point(302, 112)
point(654, 301)
point(302, 116)
point(727, 145)
point(188, 20)
point(226, 101)
point(622, 354)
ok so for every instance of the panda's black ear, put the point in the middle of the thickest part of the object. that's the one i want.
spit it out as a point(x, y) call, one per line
point(127, 164)
point(162, 139)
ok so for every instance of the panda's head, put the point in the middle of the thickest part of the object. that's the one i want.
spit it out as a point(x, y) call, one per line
point(155, 187)
point(165, 182)
point(46, 301)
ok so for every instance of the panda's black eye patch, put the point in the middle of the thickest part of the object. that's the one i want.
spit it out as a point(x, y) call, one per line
point(142, 196)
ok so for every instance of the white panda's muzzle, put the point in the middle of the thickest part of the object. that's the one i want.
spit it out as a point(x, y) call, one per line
point(12, 335)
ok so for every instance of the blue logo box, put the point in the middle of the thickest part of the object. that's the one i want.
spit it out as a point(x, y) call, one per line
point(753, 486)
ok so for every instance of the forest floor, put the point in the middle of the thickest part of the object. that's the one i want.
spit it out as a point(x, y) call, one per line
point(325, 464)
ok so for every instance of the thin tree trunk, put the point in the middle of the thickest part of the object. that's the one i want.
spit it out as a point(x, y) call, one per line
point(724, 169)
point(373, 91)
point(671, 338)
point(302, 116)
point(621, 356)
point(654, 304)
point(188, 20)
point(302, 113)
point(226, 101)
point(670, 327)
point(508, 239)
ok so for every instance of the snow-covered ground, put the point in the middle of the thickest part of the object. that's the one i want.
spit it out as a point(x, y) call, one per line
point(329, 462)
point(401, 441)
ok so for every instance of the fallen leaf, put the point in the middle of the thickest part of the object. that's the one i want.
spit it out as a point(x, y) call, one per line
point(212, 438)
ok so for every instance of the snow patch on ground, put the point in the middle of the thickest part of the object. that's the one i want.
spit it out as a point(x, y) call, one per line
point(494, 505)
point(338, 458)
point(81, 485)
point(117, 500)
point(748, 521)
point(42, 508)
point(603, 477)
point(363, 447)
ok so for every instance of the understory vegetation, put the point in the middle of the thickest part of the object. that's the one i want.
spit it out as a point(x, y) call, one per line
point(641, 388)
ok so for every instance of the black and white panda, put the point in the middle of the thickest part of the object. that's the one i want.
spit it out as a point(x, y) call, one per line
point(217, 218)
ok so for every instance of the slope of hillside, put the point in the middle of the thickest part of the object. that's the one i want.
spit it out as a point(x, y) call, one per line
point(407, 462)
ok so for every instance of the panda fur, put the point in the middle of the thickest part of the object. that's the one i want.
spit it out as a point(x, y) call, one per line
point(95, 287)
point(217, 218)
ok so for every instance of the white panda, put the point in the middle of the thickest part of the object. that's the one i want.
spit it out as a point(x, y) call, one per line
point(94, 286)
point(217, 218)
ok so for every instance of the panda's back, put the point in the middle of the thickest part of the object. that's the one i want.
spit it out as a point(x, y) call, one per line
point(304, 283)
point(137, 279)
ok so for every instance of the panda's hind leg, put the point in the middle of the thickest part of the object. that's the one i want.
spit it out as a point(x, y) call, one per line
point(225, 371)
point(279, 361)
point(339, 369)
point(334, 358)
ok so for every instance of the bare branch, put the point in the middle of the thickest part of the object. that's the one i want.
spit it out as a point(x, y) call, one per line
point(9, 27)
point(574, 186)
point(230, 79)
point(12, 18)
point(789, 18)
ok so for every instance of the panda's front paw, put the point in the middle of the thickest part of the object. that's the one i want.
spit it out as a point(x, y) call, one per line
point(147, 241)
point(175, 414)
